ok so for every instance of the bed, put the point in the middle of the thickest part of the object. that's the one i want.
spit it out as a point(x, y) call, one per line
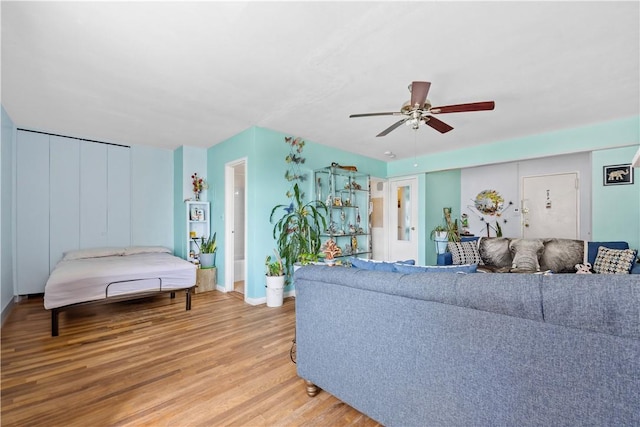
point(109, 274)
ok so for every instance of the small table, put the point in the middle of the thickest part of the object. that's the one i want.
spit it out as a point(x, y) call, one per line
point(206, 279)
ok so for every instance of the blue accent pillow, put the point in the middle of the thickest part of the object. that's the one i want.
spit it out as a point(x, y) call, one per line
point(366, 264)
point(410, 269)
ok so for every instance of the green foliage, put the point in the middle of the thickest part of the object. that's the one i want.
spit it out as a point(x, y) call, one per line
point(208, 246)
point(298, 230)
point(274, 268)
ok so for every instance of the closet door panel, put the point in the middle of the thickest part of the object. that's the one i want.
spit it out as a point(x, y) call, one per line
point(64, 202)
point(118, 196)
point(32, 212)
point(93, 200)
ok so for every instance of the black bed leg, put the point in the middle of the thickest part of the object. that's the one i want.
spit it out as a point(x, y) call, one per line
point(188, 299)
point(54, 322)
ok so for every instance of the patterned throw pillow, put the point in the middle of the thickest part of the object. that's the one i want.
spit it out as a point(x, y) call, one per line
point(614, 261)
point(464, 253)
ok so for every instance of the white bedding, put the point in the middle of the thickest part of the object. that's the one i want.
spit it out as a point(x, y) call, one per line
point(86, 279)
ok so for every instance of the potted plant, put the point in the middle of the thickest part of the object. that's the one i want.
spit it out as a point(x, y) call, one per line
point(208, 249)
point(275, 280)
point(298, 230)
point(331, 250)
point(439, 234)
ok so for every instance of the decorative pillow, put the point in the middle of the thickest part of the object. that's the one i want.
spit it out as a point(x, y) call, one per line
point(410, 269)
point(133, 250)
point(494, 251)
point(464, 253)
point(92, 253)
point(614, 261)
point(369, 264)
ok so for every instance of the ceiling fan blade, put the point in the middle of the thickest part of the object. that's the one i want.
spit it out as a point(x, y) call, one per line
point(462, 108)
point(437, 124)
point(392, 127)
point(375, 114)
point(419, 91)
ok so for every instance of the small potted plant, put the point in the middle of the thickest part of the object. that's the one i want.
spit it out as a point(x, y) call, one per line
point(208, 248)
point(439, 234)
point(331, 250)
point(275, 280)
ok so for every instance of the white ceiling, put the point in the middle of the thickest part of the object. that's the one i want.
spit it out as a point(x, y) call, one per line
point(181, 73)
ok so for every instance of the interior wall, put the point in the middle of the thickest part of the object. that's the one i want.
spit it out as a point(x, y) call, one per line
point(616, 208)
point(442, 189)
point(7, 147)
point(506, 179)
point(151, 196)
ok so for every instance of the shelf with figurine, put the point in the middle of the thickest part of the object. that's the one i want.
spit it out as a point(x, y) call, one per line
point(346, 193)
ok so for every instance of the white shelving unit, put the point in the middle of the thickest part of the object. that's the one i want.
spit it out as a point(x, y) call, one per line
point(198, 225)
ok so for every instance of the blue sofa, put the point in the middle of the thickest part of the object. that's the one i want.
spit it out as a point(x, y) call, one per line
point(447, 349)
point(592, 252)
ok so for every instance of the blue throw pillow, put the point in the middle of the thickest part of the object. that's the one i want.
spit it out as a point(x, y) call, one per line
point(366, 264)
point(410, 269)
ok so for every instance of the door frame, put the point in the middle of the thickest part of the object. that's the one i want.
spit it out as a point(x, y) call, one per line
point(229, 215)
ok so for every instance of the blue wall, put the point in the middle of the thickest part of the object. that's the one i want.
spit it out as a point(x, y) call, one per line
point(265, 151)
point(7, 145)
point(616, 208)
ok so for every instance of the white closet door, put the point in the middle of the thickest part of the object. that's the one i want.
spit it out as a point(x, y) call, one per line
point(118, 196)
point(32, 207)
point(64, 197)
point(93, 188)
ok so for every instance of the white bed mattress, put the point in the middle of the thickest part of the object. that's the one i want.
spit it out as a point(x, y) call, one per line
point(86, 279)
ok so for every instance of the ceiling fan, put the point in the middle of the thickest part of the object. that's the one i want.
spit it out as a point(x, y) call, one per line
point(419, 109)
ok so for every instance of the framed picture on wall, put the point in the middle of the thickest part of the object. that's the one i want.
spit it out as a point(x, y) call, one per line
point(617, 174)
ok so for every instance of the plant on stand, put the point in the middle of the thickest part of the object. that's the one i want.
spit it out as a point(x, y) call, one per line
point(275, 280)
point(208, 248)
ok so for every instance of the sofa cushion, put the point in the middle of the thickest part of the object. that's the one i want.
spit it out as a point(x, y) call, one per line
point(410, 269)
point(614, 261)
point(464, 252)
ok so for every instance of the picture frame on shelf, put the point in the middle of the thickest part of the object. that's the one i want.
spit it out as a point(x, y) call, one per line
point(617, 174)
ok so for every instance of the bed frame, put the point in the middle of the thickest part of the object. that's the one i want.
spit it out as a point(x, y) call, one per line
point(55, 312)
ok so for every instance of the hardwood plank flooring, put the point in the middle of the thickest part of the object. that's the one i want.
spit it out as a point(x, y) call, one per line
point(149, 362)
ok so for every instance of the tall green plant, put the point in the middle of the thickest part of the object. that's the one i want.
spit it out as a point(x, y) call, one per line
point(298, 230)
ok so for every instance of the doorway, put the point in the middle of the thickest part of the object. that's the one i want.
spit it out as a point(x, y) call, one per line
point(403, 219)
point(235, 226)
point(550, 206)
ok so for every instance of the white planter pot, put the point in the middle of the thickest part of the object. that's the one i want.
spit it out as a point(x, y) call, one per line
point(275, 291)
point(441, 242)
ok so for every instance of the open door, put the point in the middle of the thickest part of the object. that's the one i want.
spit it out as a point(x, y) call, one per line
point(235, 227)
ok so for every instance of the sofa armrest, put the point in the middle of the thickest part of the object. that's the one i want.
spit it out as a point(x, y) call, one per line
point(636, 268)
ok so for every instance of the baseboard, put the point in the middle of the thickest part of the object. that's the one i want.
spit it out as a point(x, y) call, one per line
point(7, 311)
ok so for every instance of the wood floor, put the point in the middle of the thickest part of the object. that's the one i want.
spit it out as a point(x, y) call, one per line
point(151, 363)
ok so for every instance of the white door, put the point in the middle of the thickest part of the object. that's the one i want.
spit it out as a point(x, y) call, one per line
point(550, 206)
point(403, 219)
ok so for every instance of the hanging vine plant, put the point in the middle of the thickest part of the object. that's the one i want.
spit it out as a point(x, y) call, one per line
point(297, 230)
